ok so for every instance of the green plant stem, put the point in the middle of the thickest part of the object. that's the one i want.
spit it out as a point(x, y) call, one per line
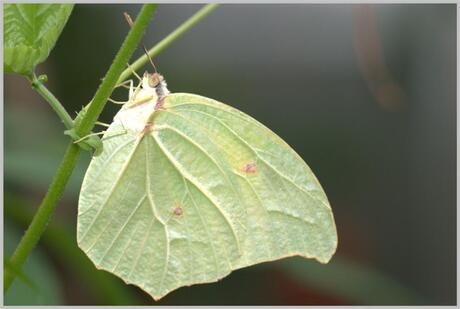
point(160, 46)
point(52, 100)
point(115, 70)
point(46, 209)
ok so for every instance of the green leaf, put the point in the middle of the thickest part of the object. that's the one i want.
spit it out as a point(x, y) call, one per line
point(194, 190)
point(30, 32)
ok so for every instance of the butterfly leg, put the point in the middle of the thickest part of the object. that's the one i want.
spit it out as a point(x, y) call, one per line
point(117, 102)
point(115, 133)
point(133, 93)
point(139, 101)
point(125, 84)
point(133, 101)
point(119, 132)
point(134, 72)
point(102, 124)
point(88, 136)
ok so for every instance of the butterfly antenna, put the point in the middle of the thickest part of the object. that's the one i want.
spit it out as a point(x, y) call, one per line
point(130, 23)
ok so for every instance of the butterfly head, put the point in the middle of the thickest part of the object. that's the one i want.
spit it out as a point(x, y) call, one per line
point(155, 81)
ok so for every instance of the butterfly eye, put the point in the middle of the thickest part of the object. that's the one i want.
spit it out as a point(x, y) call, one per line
point(154, 80)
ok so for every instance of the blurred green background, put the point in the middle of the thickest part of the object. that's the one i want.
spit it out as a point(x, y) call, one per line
point(366, 94)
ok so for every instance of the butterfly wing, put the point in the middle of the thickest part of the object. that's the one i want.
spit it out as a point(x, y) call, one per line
point(205, 191)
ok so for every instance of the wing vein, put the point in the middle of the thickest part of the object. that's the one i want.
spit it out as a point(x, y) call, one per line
point(117, 181)
point(208, 195)
point(122, 228)
point(108, 223)
point(261, 204)
point(204, 223)
point(257, 153)
point(102, 169)
point(124, 250)
point(148, 183)
point(141, 250)
point(165, 269)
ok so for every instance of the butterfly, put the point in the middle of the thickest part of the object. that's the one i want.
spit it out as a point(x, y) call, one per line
point(194, 189)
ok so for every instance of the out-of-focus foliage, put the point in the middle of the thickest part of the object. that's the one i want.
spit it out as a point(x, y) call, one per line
point(358, 283)
point(20, 275)
point(60, 242)
point(30, 32)
point(43, 287)
point(22, 154)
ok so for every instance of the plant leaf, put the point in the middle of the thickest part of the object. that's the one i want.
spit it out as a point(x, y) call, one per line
point(203, 191)
point(30, 32)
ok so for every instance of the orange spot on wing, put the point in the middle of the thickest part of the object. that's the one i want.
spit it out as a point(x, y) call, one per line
point(178, 211)
point(250, 168)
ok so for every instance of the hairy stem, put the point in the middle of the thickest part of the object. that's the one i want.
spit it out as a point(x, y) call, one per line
point(115, 70)
point(38, 85)
point(159, 47)
point(48, 205)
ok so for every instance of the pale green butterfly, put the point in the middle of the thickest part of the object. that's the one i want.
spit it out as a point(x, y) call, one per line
point(193, 190)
